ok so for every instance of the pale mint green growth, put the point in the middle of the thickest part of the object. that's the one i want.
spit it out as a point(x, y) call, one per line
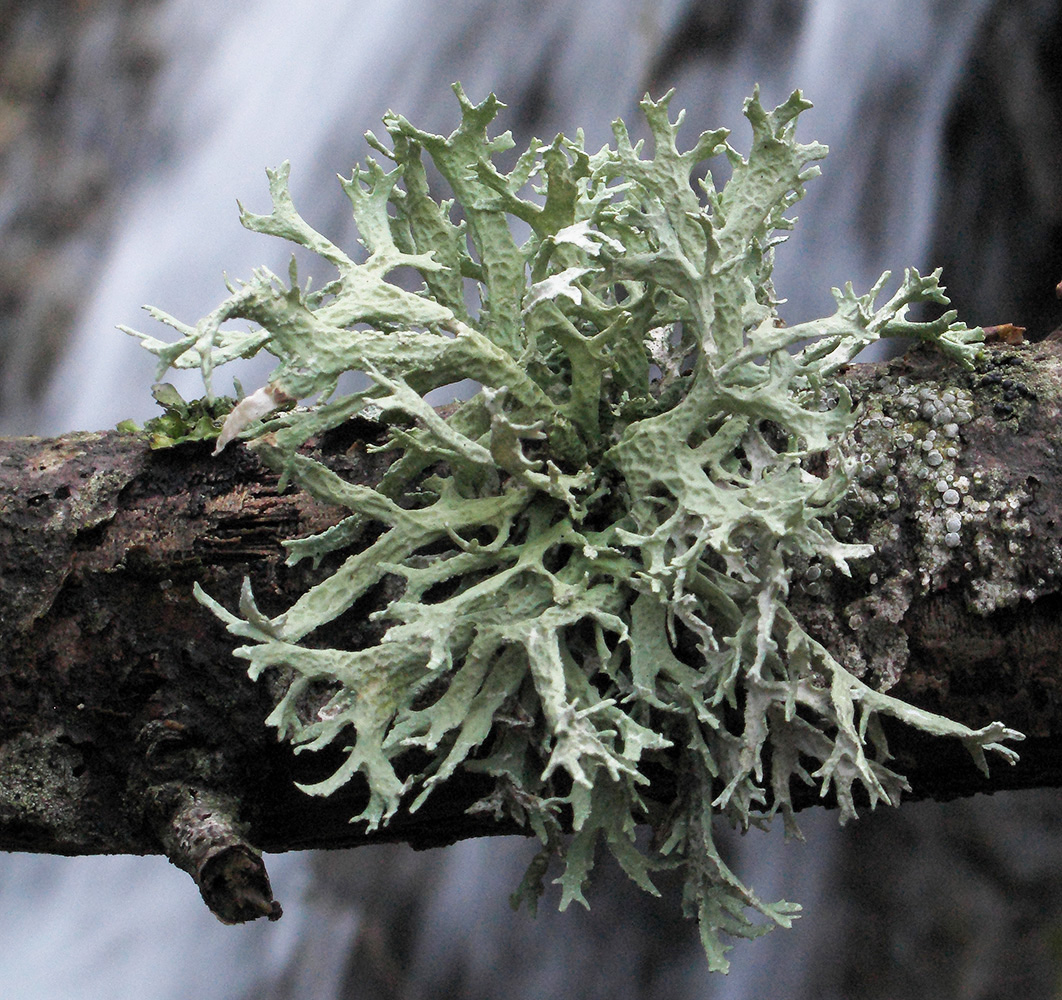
point(592, 555)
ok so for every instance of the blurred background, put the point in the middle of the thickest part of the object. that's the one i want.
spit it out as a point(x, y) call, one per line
point(127, 130)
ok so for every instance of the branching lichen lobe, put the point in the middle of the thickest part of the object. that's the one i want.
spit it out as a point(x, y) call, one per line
point(590, 560)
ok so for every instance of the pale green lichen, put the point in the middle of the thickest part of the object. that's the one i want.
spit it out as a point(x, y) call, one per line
point(592, 555)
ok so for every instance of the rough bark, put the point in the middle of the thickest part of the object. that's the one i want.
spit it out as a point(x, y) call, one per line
point(126, 726)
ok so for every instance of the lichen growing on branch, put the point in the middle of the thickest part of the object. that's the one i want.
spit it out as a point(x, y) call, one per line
point(589, 560)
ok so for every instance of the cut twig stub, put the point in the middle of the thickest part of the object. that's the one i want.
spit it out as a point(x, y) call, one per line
point(202, 836)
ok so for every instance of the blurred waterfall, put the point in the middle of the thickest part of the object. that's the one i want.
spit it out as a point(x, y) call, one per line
point(247, 84)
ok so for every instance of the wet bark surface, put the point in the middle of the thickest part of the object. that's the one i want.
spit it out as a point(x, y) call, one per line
point(122, 706)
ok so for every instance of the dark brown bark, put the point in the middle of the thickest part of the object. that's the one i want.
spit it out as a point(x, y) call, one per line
point(126, 725)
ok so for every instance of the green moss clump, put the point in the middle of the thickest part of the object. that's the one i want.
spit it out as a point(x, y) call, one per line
point(182, 420)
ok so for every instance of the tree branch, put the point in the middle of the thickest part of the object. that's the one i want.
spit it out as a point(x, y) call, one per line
point(126, 725)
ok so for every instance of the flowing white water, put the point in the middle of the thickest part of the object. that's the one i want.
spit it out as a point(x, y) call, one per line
point(249, 84)
point(268, 81)
point(104, 928)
